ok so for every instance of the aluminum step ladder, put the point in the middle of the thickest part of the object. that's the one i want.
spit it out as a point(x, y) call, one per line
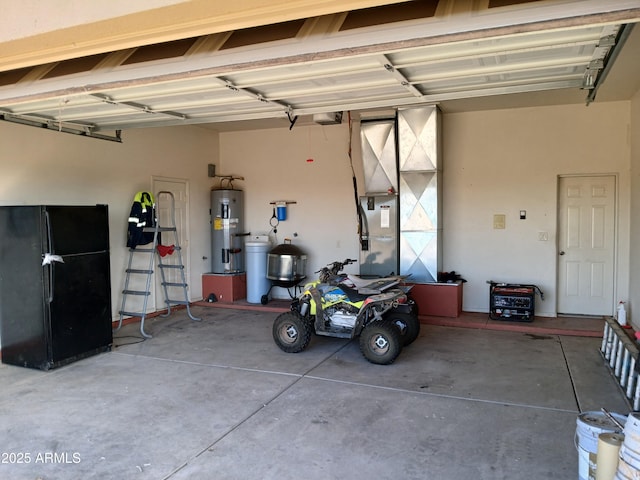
point(164, 267)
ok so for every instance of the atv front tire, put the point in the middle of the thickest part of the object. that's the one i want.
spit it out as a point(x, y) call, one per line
point(291, 332)
point(380, 342)
point(407, 324)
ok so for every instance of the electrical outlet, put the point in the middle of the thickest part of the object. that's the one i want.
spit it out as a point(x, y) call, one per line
point(543, 236)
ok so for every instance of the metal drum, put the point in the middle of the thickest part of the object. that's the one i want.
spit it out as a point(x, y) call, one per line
point(286, 265)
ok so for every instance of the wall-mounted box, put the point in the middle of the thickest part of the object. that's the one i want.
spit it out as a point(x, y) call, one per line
point(438, 299)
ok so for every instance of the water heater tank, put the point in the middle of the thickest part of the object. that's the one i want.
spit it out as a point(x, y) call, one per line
point(227, 234)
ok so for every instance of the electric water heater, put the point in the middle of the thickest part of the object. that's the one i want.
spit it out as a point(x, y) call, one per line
point(227, 234)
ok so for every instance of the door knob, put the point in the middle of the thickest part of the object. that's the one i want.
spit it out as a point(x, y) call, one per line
point(561, 252)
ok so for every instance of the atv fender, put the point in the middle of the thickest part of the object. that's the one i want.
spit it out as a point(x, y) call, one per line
point(319, 314)
point(361, 324)
point(409, 307)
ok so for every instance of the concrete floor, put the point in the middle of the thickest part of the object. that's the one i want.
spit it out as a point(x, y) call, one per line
point(218, 400)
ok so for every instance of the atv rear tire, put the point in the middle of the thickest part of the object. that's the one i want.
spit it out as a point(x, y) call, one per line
point(380, 342)
point(291, 332)
point(407, 324)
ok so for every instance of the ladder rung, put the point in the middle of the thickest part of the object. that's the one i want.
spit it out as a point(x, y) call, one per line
point(132, 314)
point(160, 229)
point(141, 250)
point(177, 302)
point(164, 265)
point(136, 270)
point(136, 292)
point(171, 284)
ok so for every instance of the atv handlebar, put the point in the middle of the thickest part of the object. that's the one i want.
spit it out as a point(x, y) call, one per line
point(335, 267)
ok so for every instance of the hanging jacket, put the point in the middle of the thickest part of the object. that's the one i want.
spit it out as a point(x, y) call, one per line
point(143, 214)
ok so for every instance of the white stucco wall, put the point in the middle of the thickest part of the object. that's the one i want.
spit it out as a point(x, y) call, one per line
point(47, 167)
point(275, 164)
point(494, 162)
point(633, 307)
point(501, 162)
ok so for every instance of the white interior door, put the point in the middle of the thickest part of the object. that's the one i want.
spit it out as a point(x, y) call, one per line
point(179, 188)
point(586, 244)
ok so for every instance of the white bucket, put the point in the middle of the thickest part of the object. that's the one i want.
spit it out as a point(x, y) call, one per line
point(630, 457)
point(626, 471)
point(629, 464)
point(589, 426)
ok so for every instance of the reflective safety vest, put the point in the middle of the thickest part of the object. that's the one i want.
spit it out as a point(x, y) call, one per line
point(143, 214)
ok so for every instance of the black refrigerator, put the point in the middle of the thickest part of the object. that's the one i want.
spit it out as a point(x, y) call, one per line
point(55, 286)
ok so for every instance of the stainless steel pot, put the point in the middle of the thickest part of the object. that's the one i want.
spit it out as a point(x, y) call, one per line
point(286, 263)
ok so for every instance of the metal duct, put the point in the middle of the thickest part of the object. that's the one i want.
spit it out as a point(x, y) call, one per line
point(379, 157)
point(420, 171)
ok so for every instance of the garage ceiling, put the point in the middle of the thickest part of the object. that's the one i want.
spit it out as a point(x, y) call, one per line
point(385, 57)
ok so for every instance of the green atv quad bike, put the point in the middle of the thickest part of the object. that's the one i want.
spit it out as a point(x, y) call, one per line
point(378, 311)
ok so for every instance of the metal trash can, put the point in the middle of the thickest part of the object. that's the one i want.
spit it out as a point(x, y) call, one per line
point(257, 282)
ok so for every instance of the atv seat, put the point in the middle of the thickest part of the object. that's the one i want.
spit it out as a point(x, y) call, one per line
point(352, 293)
point(374, 285)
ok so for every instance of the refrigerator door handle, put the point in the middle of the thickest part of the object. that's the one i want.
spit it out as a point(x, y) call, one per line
point(49, 268)
point(49, 264)
point(48, 259)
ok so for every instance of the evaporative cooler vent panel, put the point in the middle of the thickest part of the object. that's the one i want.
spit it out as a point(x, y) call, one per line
point(420, 181)
point(379, 158)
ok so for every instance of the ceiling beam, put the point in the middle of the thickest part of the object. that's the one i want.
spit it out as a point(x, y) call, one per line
point(398, 76)
point(255, 94)
point(388, 38)
point(99, 31)
point(138, 107)
point(61, 127)
point(327, 107)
